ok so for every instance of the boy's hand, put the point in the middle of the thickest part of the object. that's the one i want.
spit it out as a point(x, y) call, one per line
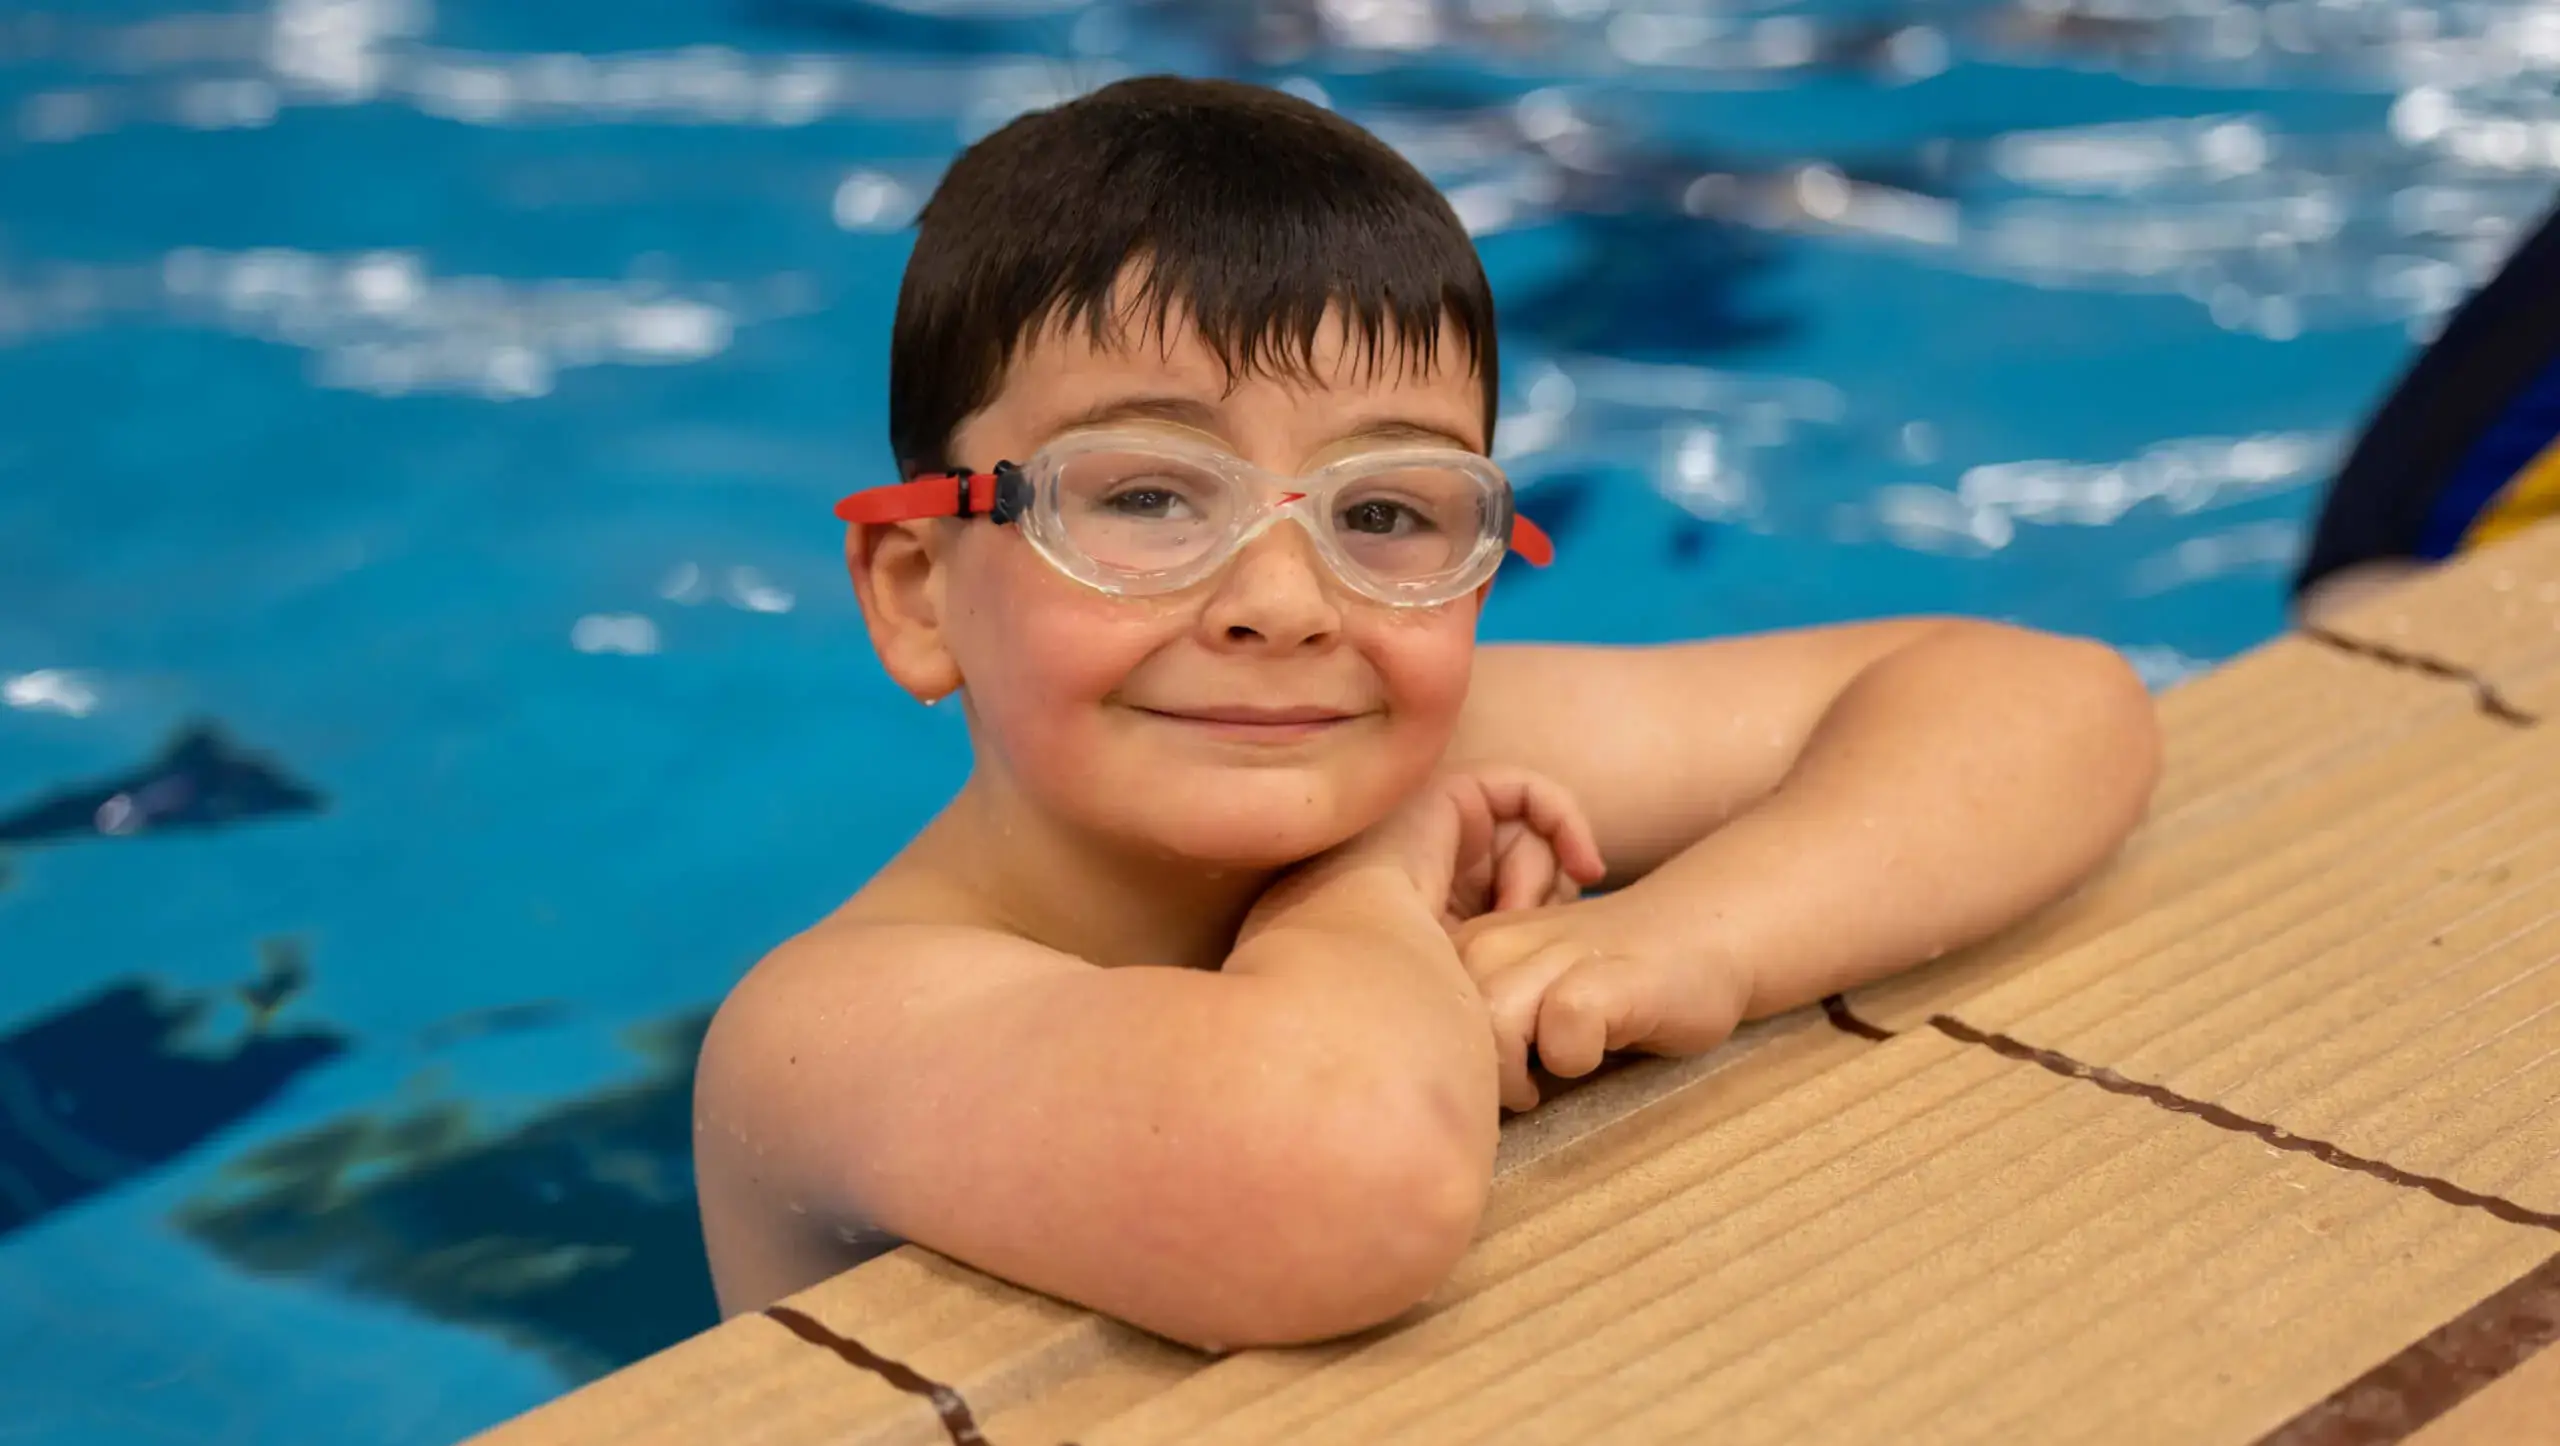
point(1540, 850)
point(1578, 980)
point(1474, 842)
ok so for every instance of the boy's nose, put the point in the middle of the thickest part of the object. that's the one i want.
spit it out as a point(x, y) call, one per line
point(1274, 594)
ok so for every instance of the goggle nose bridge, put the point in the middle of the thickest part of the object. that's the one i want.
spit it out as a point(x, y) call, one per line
point(1286, 507)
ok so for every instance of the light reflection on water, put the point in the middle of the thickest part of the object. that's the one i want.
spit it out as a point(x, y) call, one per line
point(2279, 220)
point(447, 398)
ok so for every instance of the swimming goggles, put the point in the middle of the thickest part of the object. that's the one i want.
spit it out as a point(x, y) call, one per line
point(1138, 514)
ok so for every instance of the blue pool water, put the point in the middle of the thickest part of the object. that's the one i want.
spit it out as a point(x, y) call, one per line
point(442, 402)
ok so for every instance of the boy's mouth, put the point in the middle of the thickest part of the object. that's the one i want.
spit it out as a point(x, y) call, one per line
point(1248, 713)
point(1273, 724)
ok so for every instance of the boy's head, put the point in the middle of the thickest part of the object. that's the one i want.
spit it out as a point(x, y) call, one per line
point(1256, 212)
point(1225, 273)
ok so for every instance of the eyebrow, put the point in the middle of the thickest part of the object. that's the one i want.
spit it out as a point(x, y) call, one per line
point(1199, 415)
point(1184, 411)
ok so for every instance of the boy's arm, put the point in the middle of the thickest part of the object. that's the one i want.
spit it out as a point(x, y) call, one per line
point(1293, 1148)
point(1798, 813)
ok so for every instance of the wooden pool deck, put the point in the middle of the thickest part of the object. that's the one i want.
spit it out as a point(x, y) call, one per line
point(2257, 1138)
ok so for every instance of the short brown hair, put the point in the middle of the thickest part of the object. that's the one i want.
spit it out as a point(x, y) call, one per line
point(1256, 211)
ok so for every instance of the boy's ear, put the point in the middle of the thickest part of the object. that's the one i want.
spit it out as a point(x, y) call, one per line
point(899, 573)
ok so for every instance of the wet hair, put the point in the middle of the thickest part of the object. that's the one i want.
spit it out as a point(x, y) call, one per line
point(1255, 211)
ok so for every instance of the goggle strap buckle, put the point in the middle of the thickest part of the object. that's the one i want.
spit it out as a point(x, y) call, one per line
point(1001, 495)
point(1012, 494)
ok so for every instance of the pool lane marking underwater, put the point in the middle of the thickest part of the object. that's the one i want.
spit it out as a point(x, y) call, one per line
point(2430, 1375)
point(957, 1423)
point(2486, 694)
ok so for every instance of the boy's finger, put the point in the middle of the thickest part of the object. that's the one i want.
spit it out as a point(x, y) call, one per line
point(1578, 852)
point(1518, 793)
point(1616, 1001)
point(1555, 813)
point(1469, 824)
point(1528, 873)
point(1603, 1002)
point(1512, 996)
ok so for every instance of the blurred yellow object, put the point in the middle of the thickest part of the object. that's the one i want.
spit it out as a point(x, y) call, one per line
point(2534, 496)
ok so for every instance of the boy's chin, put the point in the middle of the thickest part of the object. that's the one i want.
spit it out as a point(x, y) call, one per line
point(1247, 832)
point(1244, 845)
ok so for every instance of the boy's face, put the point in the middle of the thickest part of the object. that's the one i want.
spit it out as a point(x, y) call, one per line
point(1252, 720)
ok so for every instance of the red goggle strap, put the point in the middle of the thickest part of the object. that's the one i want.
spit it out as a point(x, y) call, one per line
point(1531, 541)
point(936, 496)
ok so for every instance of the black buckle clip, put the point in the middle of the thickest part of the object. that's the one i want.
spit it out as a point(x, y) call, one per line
point(1012, 499)
point(1013, 493)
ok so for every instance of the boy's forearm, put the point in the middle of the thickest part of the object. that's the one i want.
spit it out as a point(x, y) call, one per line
point(1952, 788)
point(1361, 948)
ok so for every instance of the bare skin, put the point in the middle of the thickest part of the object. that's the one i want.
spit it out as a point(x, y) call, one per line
point(1210, 1028)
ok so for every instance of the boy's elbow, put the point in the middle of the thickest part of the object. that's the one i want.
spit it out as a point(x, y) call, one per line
point(2081, 682)
point(2117, 708)
point(1366, 1218)
point(2098, 702)
point(1405, 1204)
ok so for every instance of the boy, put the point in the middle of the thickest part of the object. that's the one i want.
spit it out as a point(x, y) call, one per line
point(1200, 1002)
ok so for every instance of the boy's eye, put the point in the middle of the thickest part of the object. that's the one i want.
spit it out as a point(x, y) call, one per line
point(1148, 502)
point(1378, 516)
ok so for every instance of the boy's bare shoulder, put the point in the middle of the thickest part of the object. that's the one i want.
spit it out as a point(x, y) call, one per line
point(811, 1068)
point(908, 935)
point(862, 974)
point(816, 1052)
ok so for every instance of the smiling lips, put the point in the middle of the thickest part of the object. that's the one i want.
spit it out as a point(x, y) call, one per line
point(1243, 713)
point(1240, 720)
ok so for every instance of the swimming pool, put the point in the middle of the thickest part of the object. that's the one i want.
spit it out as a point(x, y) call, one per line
point(428, 675)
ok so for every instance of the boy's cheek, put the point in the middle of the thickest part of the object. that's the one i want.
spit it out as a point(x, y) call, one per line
point(1043, 641)
point(1426, 662)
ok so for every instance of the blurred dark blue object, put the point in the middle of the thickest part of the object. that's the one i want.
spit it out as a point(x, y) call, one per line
point(199, 780)
point(111, 1087)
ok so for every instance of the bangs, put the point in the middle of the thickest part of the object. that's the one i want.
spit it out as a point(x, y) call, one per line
point(1260, 320)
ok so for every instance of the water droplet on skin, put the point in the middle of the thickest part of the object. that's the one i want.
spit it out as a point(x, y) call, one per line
point(796, 1207)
